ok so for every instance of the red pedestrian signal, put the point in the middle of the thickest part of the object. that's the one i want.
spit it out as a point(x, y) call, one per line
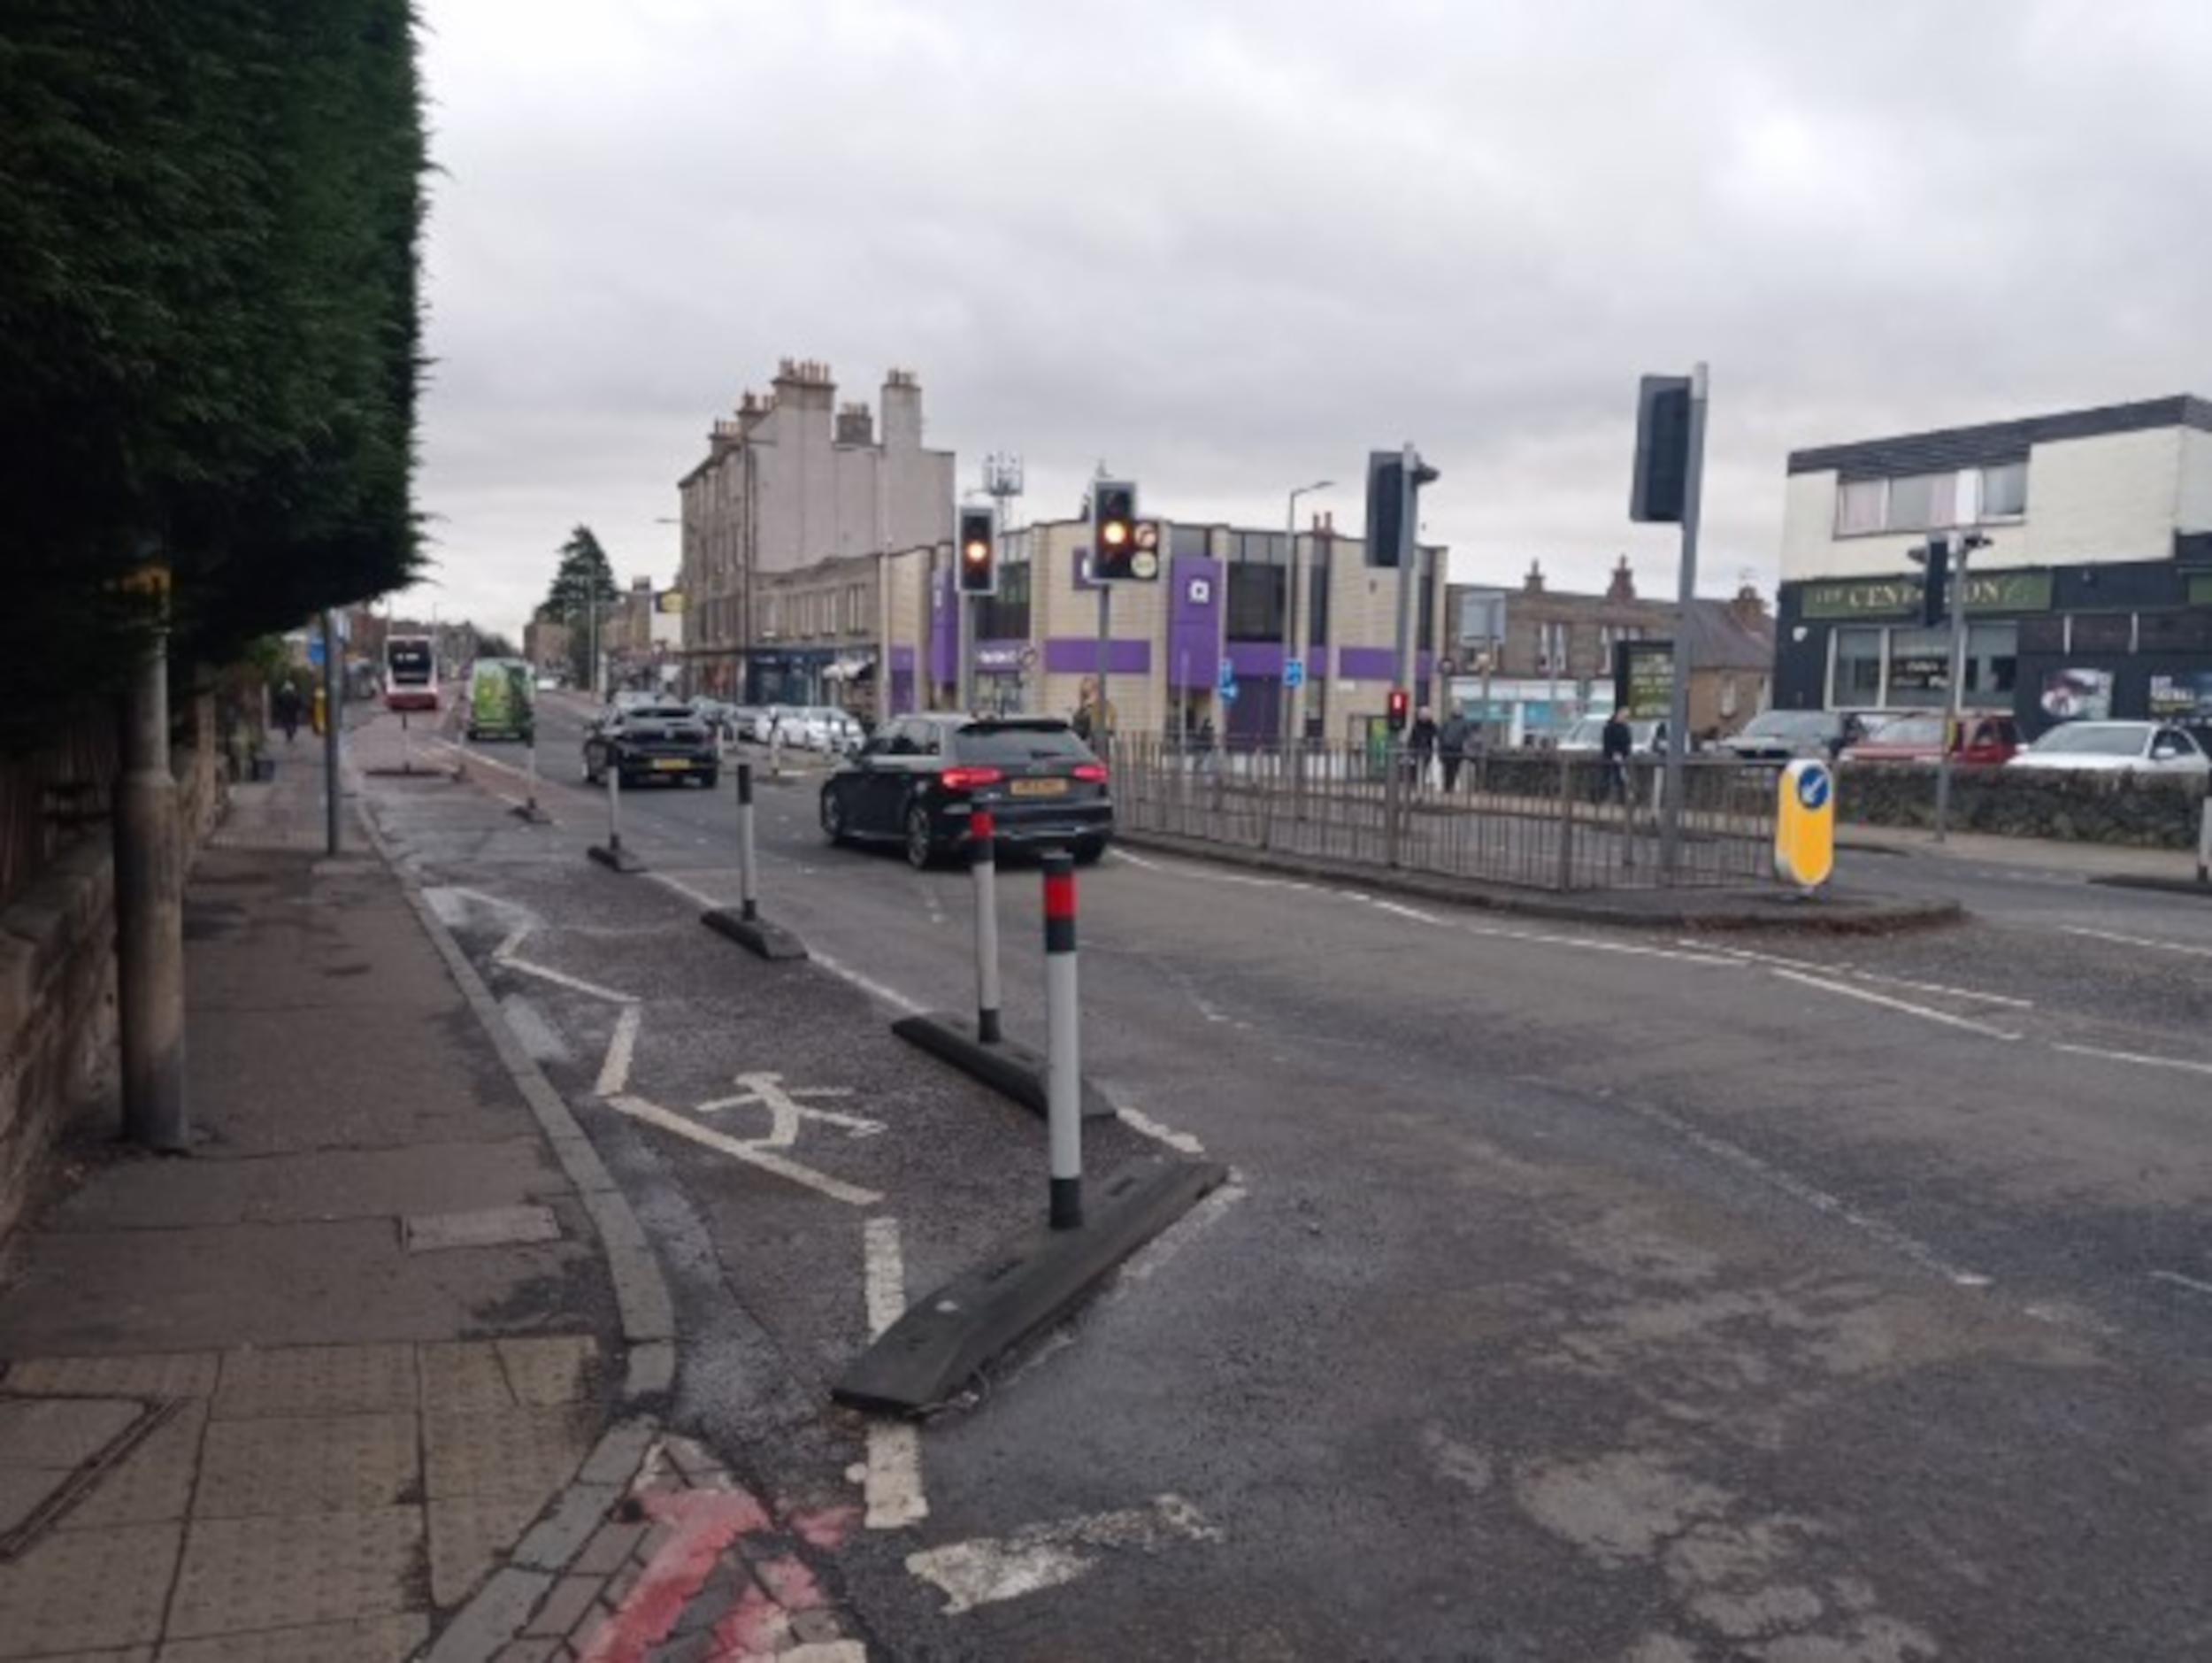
point(1397, 710)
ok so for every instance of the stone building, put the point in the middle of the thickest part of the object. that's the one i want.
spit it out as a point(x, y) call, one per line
point(790, 481)
point(1528, 662)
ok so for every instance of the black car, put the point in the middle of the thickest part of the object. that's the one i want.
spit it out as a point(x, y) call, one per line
point(645, 742)
point(918, 780)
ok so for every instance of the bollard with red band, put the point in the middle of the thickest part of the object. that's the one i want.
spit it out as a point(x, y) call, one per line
point(1064, 1061)
point(748, 888)
point(983, 863)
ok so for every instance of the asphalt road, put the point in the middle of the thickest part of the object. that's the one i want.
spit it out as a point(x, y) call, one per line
point(1581, 1294)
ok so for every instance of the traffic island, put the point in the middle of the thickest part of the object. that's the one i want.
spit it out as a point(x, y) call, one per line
point(756, 933)
point(1032, 1279)
point(1008, 1067)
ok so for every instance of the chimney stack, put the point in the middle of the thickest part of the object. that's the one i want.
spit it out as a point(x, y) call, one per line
point(1622, 587)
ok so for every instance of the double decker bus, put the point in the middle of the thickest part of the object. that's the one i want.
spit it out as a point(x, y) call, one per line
point(411, 673)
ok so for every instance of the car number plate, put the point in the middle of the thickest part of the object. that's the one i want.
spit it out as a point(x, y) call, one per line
point(1037, 788)
point(673, 764)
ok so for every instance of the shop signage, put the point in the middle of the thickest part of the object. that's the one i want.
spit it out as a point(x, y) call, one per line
point(1885, 596)
point(1643, 679)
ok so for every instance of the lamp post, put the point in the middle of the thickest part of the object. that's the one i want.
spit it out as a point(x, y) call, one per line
point(1295, 628)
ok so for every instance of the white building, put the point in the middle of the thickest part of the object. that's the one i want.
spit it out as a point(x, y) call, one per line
point(2093, 594)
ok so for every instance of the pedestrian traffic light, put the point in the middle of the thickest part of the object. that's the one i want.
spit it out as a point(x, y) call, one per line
point(1123, 549)
point(1660, 489)
point(1397, 710)
point(978, 548)
point(1935, 579)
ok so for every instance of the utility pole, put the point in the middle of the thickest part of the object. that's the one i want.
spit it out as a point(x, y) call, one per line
point(150, 895)
point(1954, 698)
point(334, 691)
point(1297, 628)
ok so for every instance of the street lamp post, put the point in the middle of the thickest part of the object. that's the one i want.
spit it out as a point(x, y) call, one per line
point(1296, 627)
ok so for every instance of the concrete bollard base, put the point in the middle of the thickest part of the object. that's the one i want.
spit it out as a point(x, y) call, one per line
point(769, 941)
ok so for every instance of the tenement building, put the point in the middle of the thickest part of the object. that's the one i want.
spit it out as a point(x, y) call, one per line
point(790, 481)
point(2093, 597)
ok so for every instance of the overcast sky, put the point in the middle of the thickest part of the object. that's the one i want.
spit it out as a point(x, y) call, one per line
point(1229, 246)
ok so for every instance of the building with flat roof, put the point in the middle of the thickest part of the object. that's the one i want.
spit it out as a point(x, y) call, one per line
point(2093, 596)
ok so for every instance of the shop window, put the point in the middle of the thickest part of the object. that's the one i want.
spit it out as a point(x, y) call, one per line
point(1993, 653)
point(2103, 632)
point(1919, 668)
point(1857, 679)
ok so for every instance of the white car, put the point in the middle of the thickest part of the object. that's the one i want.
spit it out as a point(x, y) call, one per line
point(820, 727)
point(2085, 747)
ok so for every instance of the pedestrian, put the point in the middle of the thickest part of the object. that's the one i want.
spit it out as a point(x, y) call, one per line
point(286, 700)
point(1451, 747)
point(1615, 744)
point(1421, 745)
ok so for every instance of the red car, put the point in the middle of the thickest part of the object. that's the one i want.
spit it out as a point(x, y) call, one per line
point(1985, 737)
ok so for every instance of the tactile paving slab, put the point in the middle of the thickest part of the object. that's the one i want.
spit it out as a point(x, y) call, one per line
point(152, 1483)
point(469, 1533)
point(243, 1575)
point(316, 1379)
point(502, 1452)
point(552, 1370)
point(463, 1378)
point(87, 1591)
point(376, 1640)
point(306, 1464)
point(163, 1374)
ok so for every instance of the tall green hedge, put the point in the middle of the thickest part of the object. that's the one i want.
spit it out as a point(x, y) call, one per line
point(210, 322)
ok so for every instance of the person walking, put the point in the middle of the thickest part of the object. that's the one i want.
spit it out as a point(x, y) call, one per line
point(1614, 744)
point(1451, 747)
point(287, 703)
point(1421, 745)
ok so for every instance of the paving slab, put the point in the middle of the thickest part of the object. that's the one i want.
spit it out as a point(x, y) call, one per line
point(83, 1591)
point(241, 1576)
point(151, 1485)
point(374, 1640)
point(554, 1370)
point(292, 1464)
point(470, 1534)
point(150, 1374)
point(529, 1451)
point(318, 1379)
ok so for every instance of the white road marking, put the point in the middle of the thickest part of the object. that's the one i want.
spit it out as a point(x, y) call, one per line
point(784, 1111)
point(1397, 911)
point(2180, 1281)
point(1750, 957)
point(985, 1571)
point(892, 1481)
point(1144, 1264)
point(614, 1073)
point(1137, 1120)
point(1918, 1252)
point(767, 1160)
point(576, 984)
point(2137, 941)
point(875, 990)
point(1872, 998)
point(2181, 1063)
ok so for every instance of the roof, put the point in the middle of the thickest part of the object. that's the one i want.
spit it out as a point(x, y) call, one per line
point(1947, 449)
point(1721, 638)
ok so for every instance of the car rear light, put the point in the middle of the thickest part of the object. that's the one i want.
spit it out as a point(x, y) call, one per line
point(968, 779)
point(1094, 772)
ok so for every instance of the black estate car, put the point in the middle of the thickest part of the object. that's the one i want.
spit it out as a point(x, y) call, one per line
point(918, 780)
point(652, 742)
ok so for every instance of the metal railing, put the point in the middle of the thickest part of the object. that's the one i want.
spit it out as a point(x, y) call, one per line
point(1540, 820)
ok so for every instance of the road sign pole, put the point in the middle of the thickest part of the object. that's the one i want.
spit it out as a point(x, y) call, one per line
point(1063, 1062)
point(1954, 702)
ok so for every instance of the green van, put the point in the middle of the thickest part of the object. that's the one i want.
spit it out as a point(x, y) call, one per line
point(499, 700)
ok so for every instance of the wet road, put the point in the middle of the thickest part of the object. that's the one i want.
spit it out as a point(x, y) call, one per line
point(1581, 1294)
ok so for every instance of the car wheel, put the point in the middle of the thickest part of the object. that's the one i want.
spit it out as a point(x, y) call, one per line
point(921, 847)
point(1088, 850)
point(833, 817)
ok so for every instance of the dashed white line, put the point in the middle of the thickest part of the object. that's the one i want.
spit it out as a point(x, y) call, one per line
point(1137, 1120)
point(1926, 1013)
point(2180, 1281)
point(2182, 1063)
point(986, 1570)
point(892, 1479)
point(2137, 941)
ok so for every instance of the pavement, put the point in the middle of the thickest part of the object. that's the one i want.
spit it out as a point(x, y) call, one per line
point(379, 1370)
point(375, 1372)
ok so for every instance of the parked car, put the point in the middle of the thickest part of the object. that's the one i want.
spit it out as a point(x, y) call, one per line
point(717, 715)
point(1783, 735)
point(817, 727)
point(918, 780)
point(651, 742)
point(1984, 739)
point(762, 722)
point(2142, 747)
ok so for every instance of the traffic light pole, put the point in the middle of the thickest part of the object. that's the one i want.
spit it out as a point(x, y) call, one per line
point(1955, 696)
point(1678, 699)
point(1099, 734)
point(963, 646)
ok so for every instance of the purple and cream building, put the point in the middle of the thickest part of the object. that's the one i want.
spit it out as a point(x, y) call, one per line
point(1219, 601)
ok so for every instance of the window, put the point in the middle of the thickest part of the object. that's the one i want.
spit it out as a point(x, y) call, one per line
point(1254, 611)
point(1915, 502)
point(1857, 677)
point(1860, 506)
point(2005, 491)
point(1992, 661)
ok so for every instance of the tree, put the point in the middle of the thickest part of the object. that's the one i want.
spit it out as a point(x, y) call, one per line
point(583, 579)
point(210, 322)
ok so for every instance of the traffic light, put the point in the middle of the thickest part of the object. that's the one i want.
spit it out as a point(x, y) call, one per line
point(1935, 579)
point(1387, 537)
point(1396, 716)
point(978, 548)
point(1661, 487)
point(1123, 549)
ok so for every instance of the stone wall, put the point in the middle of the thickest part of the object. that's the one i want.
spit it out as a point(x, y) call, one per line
point(2150, 812)
point(57, 1010)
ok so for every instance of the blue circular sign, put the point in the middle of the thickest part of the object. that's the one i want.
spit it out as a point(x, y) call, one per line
point(1812, 788)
